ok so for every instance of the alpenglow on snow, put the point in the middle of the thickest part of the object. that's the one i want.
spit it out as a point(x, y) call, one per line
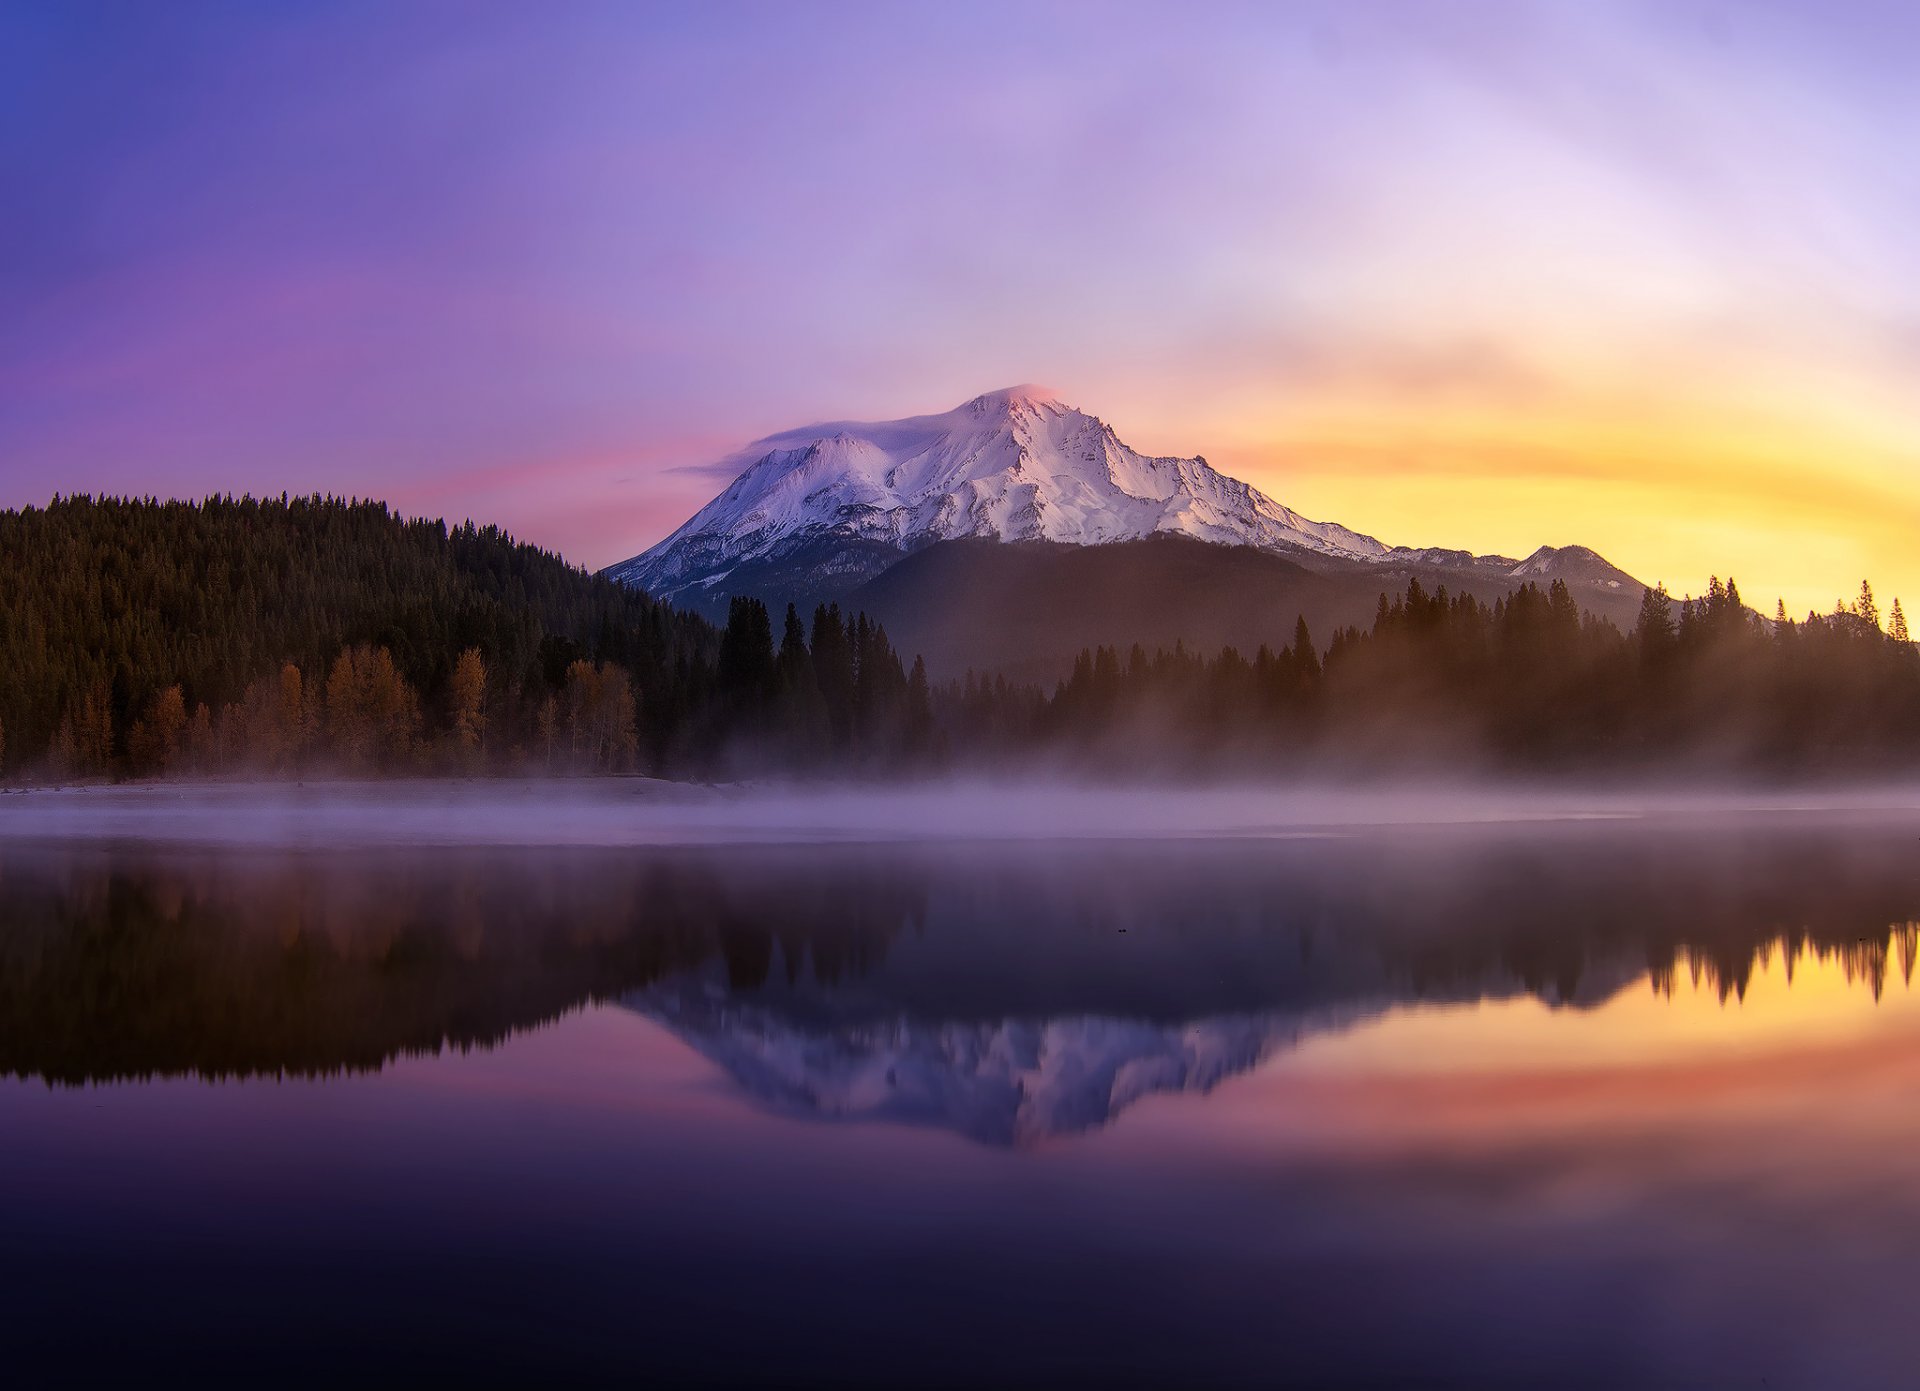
point(851, 498)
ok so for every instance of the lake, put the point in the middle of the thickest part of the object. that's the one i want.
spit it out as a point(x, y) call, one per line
point(1626, 1101)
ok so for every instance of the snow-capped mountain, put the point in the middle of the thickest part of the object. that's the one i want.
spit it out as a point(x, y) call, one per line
point(1025, 1079)
point(816, 513)
point(1000, 1082)
point(1013, 465)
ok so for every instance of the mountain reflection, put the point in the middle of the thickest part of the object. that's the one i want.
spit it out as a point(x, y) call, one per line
point(1009, 994)
point(1004, 1082)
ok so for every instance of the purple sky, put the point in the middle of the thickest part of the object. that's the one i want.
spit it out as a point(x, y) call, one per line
point(1642, 276)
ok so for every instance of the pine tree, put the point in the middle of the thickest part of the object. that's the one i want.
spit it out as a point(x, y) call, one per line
point(1897, 623)
point(919, 710)
point(744, 674)
point(833, 670)
point(1563, 615)
point(1866, 608)
point(802, 716)
point(1306, 658)
point(1654, 632)
point(794, 663)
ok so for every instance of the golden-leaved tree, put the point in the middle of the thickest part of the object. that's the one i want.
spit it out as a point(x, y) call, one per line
point(373, 715)
point(600, 716)
point(153, 744)
point(467, 707)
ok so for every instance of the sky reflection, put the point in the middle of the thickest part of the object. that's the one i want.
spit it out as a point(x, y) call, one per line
point(487, 1115)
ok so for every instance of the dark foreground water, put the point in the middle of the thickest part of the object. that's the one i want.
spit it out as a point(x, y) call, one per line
point(1574, 1105)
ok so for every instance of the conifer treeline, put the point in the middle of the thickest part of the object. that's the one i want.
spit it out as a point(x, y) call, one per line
point(310, 635)
point(1527, 682)
point(315, 634)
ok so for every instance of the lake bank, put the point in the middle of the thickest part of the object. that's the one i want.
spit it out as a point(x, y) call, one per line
point(647, 811)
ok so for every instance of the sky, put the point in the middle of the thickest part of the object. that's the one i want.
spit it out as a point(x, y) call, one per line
point(1638, 276)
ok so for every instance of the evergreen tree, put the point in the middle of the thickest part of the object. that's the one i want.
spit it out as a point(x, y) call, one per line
point(833, 670)
point(1866, 608)
point(802, 710)
point(1305, 659)
point(1655, 632)
point(795, 663)
point(745, 674)
point(919, 712)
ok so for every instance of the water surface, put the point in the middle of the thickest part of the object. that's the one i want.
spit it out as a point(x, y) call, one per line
point(1615, 1103)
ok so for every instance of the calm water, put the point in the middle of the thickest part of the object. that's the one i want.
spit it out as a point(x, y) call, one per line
point(1577, 1105)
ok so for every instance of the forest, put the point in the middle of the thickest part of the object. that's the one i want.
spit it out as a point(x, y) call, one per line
point(313, 636)
point(1525, 684)
point(307, 636)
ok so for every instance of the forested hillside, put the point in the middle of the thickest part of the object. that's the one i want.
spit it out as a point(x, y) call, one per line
point(300, 634)
point(1026, 608)
point(311, 635)
point(1526, 683)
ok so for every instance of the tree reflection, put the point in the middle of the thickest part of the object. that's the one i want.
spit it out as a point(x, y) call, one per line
point(116, 966)
point(1864, 961)
point(124, 963)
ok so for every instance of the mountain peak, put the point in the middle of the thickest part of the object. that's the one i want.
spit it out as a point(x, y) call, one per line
point(816, 511)
point(1573, 563)
point(1016, 464)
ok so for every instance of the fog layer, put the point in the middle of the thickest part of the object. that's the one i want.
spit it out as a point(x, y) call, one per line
point(641, 811)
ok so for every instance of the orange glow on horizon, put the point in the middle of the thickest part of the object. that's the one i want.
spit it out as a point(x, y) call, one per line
point(1795, 503)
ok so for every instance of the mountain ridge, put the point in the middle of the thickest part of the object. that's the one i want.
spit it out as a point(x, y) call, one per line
point(1025, 609)
point(1017, 464)
point(1011, 530)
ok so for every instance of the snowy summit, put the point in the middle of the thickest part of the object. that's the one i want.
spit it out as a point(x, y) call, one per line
point(816, 512)
point(1012, 465)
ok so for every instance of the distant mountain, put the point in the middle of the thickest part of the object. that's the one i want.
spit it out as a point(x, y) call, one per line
point(818, 512)
point(1026, 609)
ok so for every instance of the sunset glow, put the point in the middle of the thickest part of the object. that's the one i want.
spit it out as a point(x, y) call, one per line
point(1489, 275)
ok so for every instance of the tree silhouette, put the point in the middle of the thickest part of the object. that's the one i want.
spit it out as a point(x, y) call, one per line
point(302, 635)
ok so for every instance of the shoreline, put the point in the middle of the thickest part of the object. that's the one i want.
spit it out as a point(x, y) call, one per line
point(635, 811)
